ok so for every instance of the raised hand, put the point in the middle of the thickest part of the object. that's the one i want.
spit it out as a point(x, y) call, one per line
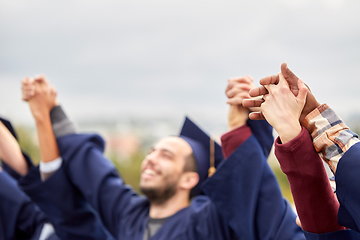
point(237, 90)
point(27, 88)
point(282, 109)
point(40, 95)
point(42, 98)
point(292, 80)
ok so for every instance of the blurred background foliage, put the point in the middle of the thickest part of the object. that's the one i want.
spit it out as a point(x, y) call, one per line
point(28, 142)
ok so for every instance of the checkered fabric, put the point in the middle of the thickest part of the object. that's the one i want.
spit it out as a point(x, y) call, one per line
point(331, 137)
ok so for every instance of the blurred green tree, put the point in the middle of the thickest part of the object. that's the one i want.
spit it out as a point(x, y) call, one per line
point(129, 169)
point(28, 142)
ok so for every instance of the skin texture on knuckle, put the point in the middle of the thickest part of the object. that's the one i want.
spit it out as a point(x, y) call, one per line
point(283, 89)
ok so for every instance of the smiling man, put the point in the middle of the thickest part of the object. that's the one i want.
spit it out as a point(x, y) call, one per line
point(165, 173)
point(242, 198)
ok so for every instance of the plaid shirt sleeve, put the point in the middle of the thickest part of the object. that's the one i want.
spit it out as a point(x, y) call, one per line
point(331, 137)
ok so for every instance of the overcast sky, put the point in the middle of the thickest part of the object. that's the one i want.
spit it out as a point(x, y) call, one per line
point(116, 58)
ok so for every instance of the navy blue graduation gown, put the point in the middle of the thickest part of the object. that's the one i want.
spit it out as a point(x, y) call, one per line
point(20, 218)
point(338, 235)
point(263, 132)
point(347, 179)
point(83, 223)
point(246, 192)
point(245, 199)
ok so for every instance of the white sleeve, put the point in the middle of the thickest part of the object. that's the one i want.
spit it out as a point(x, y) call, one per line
point(48, 168)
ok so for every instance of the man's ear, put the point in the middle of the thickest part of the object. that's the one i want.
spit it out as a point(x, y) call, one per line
point(189, 180)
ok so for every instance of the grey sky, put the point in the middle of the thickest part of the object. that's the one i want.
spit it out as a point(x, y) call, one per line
point(112, 58)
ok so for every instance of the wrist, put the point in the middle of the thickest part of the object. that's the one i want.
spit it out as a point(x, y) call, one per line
point(237, 117)
point(41, 118)
point(236, 124)
point(311, 104)
point(288, 131)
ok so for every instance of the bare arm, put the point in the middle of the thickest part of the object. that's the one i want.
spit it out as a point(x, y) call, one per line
point(10, 151)
point(42, 98)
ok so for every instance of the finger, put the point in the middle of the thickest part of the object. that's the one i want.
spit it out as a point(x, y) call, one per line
point(237, 99)
point(243, 79)
point(25, 81)
point(256, 116)
point(27, 86)
point(258, 91)
point(234, 101)
point(250, 77)
point(273, 79)
point(287, 73)
point(26, 96)
point(239, 88)
point(53, 91)
point(255, 109)
point(282, 81)
point(41, 78)
point(27, 89)
point(229, 86)
point(252, 102)
point(291, 78)
point(302, 92)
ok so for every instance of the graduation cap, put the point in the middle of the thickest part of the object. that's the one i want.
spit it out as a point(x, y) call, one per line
point(207, 153)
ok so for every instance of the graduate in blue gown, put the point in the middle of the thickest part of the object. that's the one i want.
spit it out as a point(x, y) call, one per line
point(242, 199)
point(20, 218)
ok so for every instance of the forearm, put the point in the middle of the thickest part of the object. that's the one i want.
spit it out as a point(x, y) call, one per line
point(10, 151)
point(47, 142)
point(61, 126)
point(315, 202)
point(237, 116)
point(331, 137)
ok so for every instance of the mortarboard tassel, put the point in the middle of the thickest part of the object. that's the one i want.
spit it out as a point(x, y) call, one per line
point(212, 168)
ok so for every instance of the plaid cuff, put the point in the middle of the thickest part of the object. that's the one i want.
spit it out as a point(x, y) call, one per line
point(331, 137)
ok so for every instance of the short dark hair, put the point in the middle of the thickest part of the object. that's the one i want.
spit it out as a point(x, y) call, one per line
point(190, 163)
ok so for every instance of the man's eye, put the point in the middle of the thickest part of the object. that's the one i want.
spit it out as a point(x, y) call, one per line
point(168, 156)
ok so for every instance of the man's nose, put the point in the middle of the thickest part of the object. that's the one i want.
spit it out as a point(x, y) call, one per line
point(152, 157)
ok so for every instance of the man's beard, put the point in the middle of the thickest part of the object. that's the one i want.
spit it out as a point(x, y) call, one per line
point(157, 195)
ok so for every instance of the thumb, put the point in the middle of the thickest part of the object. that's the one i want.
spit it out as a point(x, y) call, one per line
point(40, 78)
point(282, 80)
point(302, 92)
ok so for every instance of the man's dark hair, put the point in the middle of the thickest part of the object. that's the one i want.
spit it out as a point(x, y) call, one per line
point(190, 163)
point(190, 166)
